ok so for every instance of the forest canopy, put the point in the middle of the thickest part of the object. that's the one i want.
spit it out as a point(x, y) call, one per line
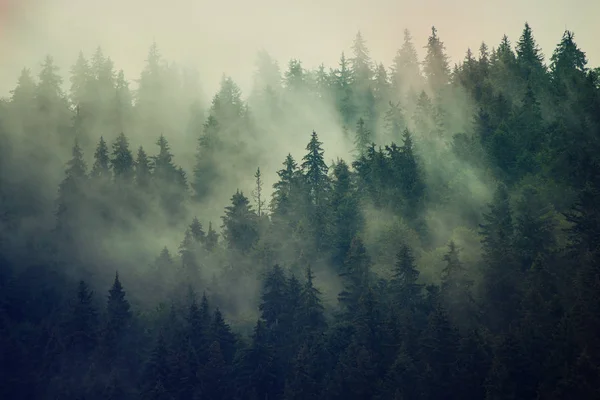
point(423, 230)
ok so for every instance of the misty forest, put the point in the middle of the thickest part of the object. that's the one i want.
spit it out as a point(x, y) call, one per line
point(356, 231)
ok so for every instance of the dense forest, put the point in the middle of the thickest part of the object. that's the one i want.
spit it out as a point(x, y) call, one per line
point(419, 231)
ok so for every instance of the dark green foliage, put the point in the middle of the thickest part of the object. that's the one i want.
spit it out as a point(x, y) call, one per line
point(363, 138)
point(435, 66)
point(315, 171)
point(240, 228)
point(122, 160)
point(82, 327)
point(101, 167)
point(502, 143)
point(142, 169)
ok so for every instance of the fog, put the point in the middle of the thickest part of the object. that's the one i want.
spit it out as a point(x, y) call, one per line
point(368, 194)
point(223, 37)
point(223, 40)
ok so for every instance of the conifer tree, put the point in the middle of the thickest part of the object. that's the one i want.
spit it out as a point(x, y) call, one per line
point(257, 193)
point(157, 374)
point(142, 169)
point(534, 228)
point(394, 122)
point(123, 105)
point(122, 160)
point(406, 72)
point(82, 324)
point(283, 194)
point(355, 275)
point(205, 168)
point(363, 138)
point(311, 314)
point(212, 238)
point(346, 219)
point(240, 228)
point(197, 231)
point(501, 279)
point(342, 83)
point(456, 288)
point(71, 192)
point(101, 167)
point(81, 75)
point(530, 59)
point(221, 332)
point(435, 66)
point(118, 322)
point(315, 171)
point(406, 292)
point(273, 298)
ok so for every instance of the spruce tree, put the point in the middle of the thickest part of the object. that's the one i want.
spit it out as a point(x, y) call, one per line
point(101, 167)
point(363, 138)
point(435, 66)
point(142, 170)
point(315, 171)
point(240, 228)
point(406, 72)
point(122, 160)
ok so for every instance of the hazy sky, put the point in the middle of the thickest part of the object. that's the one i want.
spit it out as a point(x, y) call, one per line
point(224, 36)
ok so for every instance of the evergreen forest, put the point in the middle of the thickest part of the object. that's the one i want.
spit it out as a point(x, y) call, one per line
point(424, 230)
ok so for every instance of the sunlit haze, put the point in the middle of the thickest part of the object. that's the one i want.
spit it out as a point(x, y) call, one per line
point(223, 36)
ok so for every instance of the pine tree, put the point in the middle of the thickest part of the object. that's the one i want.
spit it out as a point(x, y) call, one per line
point(188, 255)
point(205, 168)
point(240, 228)
point(49, 94)
point(23, 95)
point(81, 75)
point(435, 66)
point(82, 324)
point(355, 275)
point(170, 180)
point(456, 288)
point(122, 160)
point(101, 167)
point(118, 321)
point(221, 332)
point(123, 105)
point(530, 59)
point(311, 314)
point(346, 219)
point(157, 372)
point(406, 72)
point(212, 238)
point(214, 374)
point(197, 231)
point(256, 373)
point(502, 276)
point(568, 65)
point(283, 194)
point(142, 169)
point(273, 299)
point(534, 228)
point(257, 193)
point(363, 138)
point(439, 346)
point(294, 78)
point(362, 70)
point(394, 122)
point(315, 171)
point(412, 185)
point(71, 193)
point(406, 292)
point(343, 83)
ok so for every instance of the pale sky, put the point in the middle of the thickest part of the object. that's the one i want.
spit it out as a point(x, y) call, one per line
point(224, 36)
